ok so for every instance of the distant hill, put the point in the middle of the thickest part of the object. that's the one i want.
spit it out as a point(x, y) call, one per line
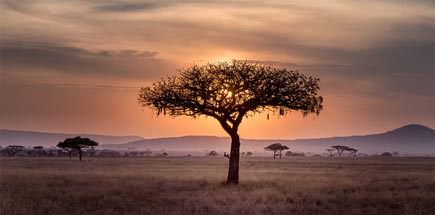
point(32, 138)
point(409, 139)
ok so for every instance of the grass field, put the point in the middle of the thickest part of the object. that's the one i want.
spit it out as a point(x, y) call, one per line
point(193, 185)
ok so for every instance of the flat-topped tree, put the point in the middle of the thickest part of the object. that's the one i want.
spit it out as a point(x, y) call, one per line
point(13, 150)
point(277, 149)
point(340, 149)
point(76, 143)
point(230, 91)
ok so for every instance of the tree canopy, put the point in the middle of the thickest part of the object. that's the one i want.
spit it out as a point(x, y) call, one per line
point(76, 143)
point(276, 147)
point(230, 91)
point(340, 149)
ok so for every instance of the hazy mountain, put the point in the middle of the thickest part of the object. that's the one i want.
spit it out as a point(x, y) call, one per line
point(410, 139)
point(32, 138)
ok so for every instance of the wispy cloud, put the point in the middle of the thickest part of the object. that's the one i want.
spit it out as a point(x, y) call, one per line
point(43, 56)
point(128, 7)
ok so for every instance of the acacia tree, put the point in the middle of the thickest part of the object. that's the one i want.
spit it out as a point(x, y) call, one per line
point(277, 149)
point(231, 91)
point(76, 143)
point(13, 150)
point(340, 149)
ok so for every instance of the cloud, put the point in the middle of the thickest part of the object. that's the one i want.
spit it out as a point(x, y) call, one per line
point(396, 67)
point(127, 7)
point(334, 39)
point(42, 56)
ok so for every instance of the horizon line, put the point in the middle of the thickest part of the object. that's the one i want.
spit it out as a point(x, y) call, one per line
point(203, 135)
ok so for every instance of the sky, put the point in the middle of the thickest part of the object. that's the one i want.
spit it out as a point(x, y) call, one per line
point(77, 66)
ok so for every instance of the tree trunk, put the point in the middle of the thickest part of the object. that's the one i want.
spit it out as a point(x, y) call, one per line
point(233, 169)
point(80, 154)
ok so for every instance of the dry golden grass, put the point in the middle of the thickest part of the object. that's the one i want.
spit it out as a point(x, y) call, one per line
point(194, 186)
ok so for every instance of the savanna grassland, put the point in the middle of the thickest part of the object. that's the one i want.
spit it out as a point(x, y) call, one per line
point(193, 185)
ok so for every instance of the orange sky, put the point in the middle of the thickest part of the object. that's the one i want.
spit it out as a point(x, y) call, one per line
point(76, 66)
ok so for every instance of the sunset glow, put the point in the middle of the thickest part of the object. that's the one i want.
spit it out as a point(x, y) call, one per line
point(77, 66)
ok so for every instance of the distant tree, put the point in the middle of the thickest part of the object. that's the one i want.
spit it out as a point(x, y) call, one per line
point(13, 150)
point(212, 153)
point(38, 151)
point(340, 149)
point(77, 143)
point(249, 154)
point(277, 149)
point(387, 154)
point(230, 92)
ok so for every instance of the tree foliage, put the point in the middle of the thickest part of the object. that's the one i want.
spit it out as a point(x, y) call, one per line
point(340, 149)
point(230, 91)
point(76, 143)
point(13, 150)
point(277, 148)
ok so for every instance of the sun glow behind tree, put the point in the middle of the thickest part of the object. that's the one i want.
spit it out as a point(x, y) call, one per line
point(230, 92)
